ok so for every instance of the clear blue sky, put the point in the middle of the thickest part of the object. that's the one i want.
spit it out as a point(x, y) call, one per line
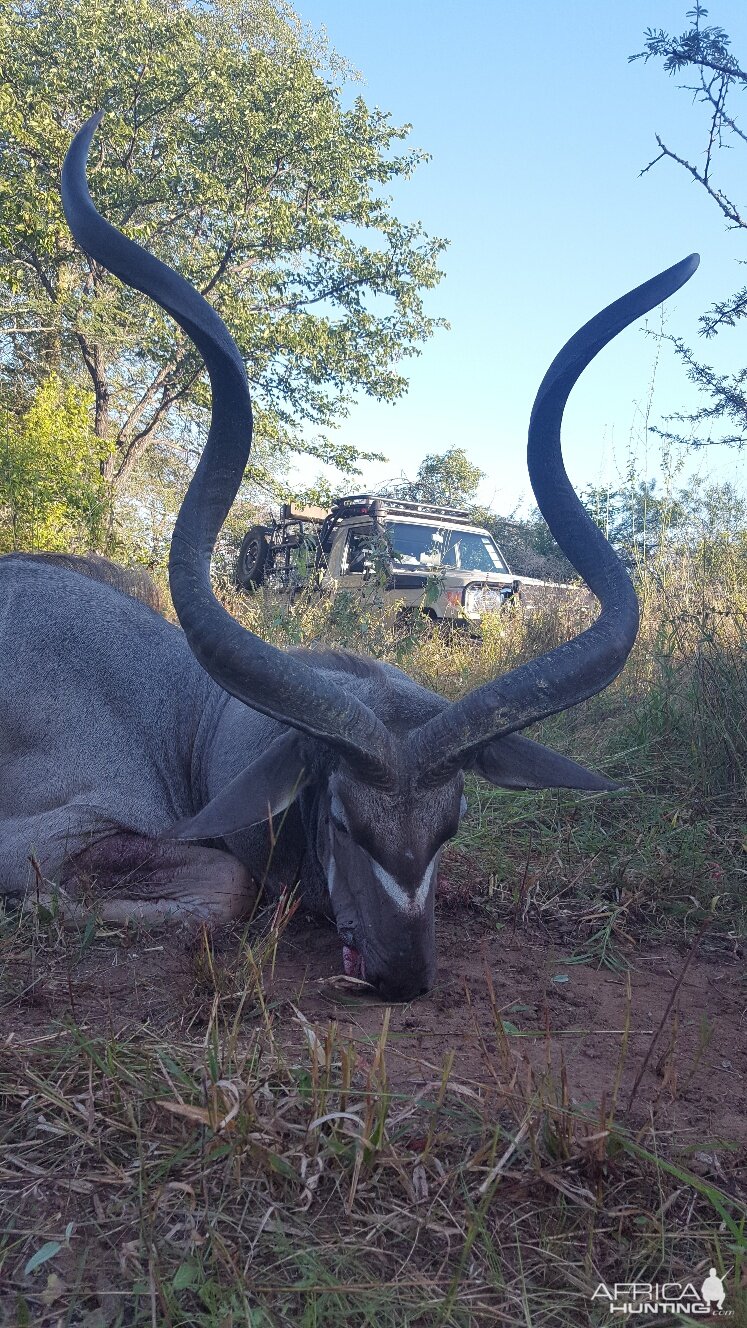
point(538, 129)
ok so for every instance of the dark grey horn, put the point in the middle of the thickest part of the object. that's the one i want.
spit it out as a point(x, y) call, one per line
point(267, 679)
point(589, 662)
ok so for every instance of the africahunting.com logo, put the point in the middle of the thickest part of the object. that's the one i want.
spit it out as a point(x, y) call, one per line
point(679, 1298)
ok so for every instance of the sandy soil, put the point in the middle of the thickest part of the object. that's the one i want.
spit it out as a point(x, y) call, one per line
point(555, 1013)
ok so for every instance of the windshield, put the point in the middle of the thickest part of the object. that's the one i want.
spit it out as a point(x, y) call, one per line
point(443, 546)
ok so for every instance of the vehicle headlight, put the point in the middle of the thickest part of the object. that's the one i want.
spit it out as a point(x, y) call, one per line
point(483, 599)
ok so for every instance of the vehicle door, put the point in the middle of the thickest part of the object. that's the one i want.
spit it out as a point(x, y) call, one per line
point(355, 561)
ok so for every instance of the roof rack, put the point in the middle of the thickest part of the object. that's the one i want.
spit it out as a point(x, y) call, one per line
point(359, 504)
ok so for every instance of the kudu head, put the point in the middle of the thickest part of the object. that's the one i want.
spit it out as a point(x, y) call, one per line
point(378, 768)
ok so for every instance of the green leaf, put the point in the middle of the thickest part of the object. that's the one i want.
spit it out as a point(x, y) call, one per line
point(186, 1275)
point(23, 1313)
point(280, 1165)
point(46, 1252)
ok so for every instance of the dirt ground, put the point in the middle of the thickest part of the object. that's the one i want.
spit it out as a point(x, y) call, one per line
point(569, 1017)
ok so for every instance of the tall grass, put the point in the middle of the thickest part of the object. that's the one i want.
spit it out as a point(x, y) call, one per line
point(672, 729)
point(681, 701)
point(690, 666)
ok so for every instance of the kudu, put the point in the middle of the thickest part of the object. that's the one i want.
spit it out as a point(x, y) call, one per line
point(133, 581)
point(172, 771)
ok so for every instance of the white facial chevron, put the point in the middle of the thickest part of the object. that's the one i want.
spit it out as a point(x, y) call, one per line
point(406, 903)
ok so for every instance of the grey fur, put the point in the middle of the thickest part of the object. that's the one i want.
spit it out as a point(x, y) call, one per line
point(133, 581)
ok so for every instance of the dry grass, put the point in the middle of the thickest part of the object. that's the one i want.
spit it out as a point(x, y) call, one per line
point(216, 1172)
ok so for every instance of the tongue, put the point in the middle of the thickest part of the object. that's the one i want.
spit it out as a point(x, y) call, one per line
point(352, 962)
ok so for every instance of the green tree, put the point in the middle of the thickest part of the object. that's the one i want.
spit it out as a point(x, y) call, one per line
point(715, 80)
point(228, 149)
point(52, 495)
point(448, 479)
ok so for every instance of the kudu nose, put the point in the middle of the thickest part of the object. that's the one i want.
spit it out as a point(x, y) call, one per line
point(403, 988)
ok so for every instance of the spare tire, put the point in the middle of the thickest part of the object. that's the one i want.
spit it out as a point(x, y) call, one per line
point(252, 560)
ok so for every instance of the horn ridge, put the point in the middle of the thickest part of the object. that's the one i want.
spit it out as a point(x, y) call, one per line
point(578, 536)
point(586, 664)
point(257, 673)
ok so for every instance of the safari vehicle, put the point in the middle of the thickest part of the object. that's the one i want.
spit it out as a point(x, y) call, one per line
point(429, 558)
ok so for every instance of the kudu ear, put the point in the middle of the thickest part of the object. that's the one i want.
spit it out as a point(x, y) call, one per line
point(264, 789)
point(518, 763)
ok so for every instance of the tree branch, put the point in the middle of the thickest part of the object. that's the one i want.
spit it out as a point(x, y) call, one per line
point(148, 397)
point(221, 268)
point(726, 206)
point(41, 274)
point(138, 444)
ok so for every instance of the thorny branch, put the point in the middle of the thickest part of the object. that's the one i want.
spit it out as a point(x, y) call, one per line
point(725, 204)
point(706, 51)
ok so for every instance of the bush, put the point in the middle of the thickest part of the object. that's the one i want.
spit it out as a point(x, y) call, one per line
point(52, 495)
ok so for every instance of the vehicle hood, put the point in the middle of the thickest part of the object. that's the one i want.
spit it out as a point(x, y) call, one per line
point(455, 577)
